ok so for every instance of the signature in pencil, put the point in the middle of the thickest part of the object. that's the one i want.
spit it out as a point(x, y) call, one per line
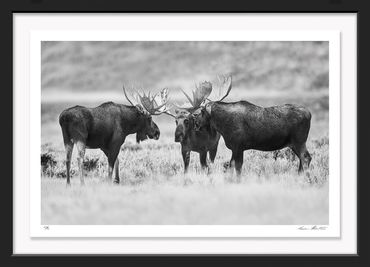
point(315, 227)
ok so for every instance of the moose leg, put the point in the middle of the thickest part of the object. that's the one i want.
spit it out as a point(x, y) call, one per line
point(238, 163)
point(203, 159)
point(300, 168)
point(116, 171)
point(112, 157)
point(107, 153)
point(81, 154)
point(232, 162)
point(297, 151)
point(303, 155)
point(69, 150)
point(110, 168)
point(212, 154)
point(186, 158)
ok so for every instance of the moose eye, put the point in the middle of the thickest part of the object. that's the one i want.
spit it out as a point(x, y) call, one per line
point(186, 121)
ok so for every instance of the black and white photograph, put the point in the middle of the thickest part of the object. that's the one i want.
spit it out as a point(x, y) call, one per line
point(185, 133)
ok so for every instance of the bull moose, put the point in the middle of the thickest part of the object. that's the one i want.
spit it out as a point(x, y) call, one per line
point(205, 139)
point(244, 126)
point(107, 126)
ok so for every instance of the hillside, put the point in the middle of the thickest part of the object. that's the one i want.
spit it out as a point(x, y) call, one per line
point(256, 66)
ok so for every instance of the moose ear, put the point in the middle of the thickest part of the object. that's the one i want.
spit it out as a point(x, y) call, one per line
point(207, 109)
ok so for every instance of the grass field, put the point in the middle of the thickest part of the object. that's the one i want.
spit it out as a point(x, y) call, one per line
point(153, 188)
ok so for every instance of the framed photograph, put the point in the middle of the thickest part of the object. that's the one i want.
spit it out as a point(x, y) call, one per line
point(185, 134)
point(162, 188)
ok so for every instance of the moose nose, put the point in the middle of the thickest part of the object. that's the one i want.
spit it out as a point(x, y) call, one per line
point(179, 137)
point(156, 135)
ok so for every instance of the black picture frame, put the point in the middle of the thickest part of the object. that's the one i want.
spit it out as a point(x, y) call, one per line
point(264, 6)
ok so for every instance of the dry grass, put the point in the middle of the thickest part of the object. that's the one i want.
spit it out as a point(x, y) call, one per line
point(170, 202)
point(154, 190)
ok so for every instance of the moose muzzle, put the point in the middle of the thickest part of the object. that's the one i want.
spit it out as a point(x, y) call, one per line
point(179, 135)
point(156, 135)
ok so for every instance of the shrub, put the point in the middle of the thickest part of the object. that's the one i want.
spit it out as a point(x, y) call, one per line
point(63, 173)
point(131, 147)
point(284, 153)
point(90, 164)
point(321, 142)
point(48, 162)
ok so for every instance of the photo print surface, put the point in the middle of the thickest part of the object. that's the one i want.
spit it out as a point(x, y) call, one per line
point(185, 133)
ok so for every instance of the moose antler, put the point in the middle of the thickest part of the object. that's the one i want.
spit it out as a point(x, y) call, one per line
point(128, 99)
point(157, 104)
point(224, 86)
point(201, 93)
point(162, 98)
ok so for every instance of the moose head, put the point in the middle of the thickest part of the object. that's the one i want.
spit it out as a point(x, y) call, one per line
point(148, 106)
point(184, 116)
point(202, 114)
